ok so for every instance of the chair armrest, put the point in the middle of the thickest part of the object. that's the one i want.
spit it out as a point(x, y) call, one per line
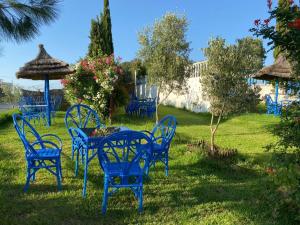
point(75, 132)
point(59, 141)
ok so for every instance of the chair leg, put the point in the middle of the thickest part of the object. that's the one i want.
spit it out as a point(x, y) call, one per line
point(27, 180)
point(60, 170)
point(72, 156)
point(105, 196)
point(167, 163)
point(76, 162)
point(140, 199)
point(58, 175)
point(85, 172)
point(33, 173)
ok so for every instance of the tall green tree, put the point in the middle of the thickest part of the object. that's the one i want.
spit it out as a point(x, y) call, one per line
point(224, 80)
point(165, 52)
point(20, 20)
point(101, 41)
point(106, 29)
point(95, 46)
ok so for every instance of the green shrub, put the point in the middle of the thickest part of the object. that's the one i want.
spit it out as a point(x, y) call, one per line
point(285, 166)
point(7, 116)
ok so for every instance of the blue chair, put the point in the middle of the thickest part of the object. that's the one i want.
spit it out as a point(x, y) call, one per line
point(272, 107)
point(40, 151)
point(81, 116)
point(161, 136)
point(122, 158)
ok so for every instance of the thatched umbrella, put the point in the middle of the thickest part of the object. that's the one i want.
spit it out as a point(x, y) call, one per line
point(280, 70)
point(44, 67)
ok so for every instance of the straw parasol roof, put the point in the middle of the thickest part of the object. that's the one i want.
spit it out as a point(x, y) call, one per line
point(44, 65)
point(280, 69)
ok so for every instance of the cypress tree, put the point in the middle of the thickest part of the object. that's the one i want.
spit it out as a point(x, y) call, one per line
point(96, 38)
point(101, 35)
point(106, 29)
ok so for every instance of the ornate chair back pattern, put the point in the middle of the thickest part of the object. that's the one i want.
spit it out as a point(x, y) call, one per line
point(164, 131)
point(81, 116)
point(123, 158)
point(124, 150)
point(27, 134)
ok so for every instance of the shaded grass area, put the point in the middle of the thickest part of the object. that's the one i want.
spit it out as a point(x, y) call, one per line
point(197, 191)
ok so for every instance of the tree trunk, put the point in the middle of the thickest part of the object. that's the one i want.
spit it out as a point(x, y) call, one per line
point(213, 130)
point(212, 142)
point(157, 104)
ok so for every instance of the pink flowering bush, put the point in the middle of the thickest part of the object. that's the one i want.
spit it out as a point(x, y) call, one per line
point(93, 83)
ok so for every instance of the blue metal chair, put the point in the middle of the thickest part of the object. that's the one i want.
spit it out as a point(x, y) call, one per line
point(40, 151)
point(273, 107)
point(122, 157)
point(161, 136)
point(29, 109)
point(81, 116)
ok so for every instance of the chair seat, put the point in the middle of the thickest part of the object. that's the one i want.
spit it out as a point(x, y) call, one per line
point(48, 153)
point(120, 169)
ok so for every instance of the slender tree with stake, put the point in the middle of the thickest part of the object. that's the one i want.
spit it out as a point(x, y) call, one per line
point(165, 52)
point(224, 80)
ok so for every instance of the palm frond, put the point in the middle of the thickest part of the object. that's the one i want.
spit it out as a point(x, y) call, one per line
point(20, 20)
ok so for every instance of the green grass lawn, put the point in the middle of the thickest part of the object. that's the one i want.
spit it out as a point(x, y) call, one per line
point(197, 191)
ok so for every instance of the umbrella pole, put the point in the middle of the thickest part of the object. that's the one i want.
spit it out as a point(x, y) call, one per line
point(276, 96)
point(47, 101)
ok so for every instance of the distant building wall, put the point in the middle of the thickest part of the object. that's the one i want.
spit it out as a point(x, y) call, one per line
point(193, 99)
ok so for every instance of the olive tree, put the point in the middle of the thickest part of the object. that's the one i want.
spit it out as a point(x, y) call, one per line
point(165, 52)
point(224, 80)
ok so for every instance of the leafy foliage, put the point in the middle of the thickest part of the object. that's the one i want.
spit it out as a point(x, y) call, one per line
point(224, 80)
point(93, 83)
point(165, 52)
point(10, 94)
point(285, 36)
point(285, 169)
point(20, 20)
point(2, 94)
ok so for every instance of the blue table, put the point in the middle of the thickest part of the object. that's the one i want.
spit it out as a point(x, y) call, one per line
point(89, 145)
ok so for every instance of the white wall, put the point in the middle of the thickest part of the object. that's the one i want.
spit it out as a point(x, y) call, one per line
point(193, 98)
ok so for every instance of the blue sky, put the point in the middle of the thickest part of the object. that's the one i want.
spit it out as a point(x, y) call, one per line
point(67, 39)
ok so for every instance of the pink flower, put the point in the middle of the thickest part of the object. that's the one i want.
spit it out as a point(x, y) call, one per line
point(64, 82)
point(108, 60)
point(257, 22)
point(95, 78)
point(94, 132)
point(79, 100)
point(269, 4)
point(291, 2)
point(121, 71)
point(84, 64)
point(267, 21)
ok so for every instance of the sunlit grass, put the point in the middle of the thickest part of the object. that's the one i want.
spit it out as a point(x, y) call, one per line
point(197, 191)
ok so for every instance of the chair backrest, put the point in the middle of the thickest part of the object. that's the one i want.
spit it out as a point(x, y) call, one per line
point(269, 100)
point(27, 134)
point(81, 116)
point(164, 130)
point(124, 149)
